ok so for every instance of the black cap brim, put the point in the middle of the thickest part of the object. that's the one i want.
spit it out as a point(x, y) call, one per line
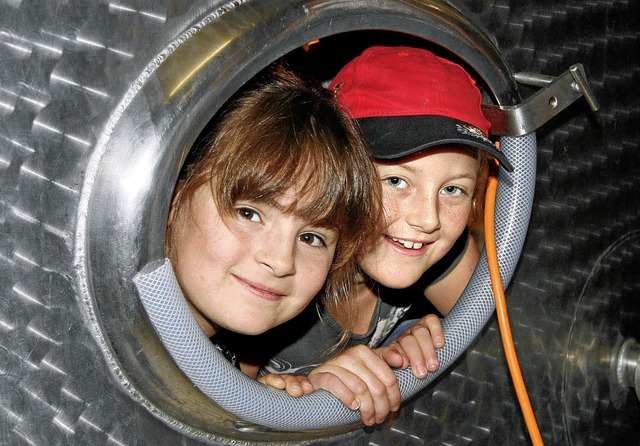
point(391, 137)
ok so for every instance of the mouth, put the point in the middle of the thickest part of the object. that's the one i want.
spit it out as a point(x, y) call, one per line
point(407, 244)
point(261, 290)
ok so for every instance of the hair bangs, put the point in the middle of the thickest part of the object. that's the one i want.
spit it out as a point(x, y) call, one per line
point(324, 188)
point(296, 158)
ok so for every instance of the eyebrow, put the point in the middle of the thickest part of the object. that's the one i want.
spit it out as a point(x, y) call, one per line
point(461, 176)
point(413, 170)
point(296, 210)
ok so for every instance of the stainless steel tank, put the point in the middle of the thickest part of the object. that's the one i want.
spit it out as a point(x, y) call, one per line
point(85, 85)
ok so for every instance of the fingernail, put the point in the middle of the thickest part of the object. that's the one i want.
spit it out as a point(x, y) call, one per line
point(421, 371)
point(432, 364)
point(439, 341)
point(355, 405)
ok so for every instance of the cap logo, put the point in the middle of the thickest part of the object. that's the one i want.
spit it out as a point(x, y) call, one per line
point(337, 87)
point(470, 130)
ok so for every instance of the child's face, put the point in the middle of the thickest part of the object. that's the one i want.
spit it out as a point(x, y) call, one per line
point(252, 271)
point(427, 200)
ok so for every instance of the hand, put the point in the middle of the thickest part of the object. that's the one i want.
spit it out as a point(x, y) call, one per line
point(418, 346)
point(295, 386)
point(362, 380)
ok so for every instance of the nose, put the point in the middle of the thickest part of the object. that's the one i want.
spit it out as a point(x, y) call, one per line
point(277, 252)
point(424, 212)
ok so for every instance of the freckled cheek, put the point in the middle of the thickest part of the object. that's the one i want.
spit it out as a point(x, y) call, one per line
point(457, 219)
point(394, 209)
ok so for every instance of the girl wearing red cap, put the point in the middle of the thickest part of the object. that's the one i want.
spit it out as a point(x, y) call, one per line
point(422, 120)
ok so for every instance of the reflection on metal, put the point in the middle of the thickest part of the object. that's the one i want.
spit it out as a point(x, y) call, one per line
point(67, 67)
point(200, 64)
point(600, 353)
point(555, 95)
point(627, 365)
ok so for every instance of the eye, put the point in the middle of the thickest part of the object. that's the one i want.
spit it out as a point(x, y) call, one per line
point(312, 239)
point(248, 214)
point(396, 182)
point(452, 190)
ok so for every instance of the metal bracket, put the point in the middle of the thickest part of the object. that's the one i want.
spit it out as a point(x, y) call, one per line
point(557, 93)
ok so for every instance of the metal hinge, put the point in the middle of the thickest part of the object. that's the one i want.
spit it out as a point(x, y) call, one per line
point(556, 94)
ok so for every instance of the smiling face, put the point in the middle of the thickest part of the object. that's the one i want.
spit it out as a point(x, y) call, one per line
point(427, 199)
point(252, 270)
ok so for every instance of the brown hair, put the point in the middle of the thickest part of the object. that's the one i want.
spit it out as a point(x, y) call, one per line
point(281, 130)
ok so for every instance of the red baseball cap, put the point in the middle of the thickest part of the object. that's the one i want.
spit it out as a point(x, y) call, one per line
point(408, 99)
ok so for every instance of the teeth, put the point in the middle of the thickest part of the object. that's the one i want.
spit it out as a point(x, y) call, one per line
point(408, 244)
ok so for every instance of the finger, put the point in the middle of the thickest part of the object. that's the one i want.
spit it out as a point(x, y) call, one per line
point(370, 379)
point(382, 385)
point(346, 384)
point(394, 356)
point(434, 324)
point(273, 380)
point(306, 385)
point(426, 344)
point(333, 383)
point(293, 386)
point(415, 352)
point(380, 379)
point(370, 408)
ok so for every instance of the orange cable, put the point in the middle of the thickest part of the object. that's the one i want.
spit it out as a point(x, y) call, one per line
point(502, 313)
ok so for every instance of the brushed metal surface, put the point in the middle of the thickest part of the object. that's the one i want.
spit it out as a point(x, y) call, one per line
point(66, 69)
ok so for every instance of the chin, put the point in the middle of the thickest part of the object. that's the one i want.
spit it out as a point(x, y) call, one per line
point(249, 328)
point(251, 331)
point(396, 282)
point(398, 285)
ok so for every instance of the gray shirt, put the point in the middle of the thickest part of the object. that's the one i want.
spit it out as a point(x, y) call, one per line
point(315, 346)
